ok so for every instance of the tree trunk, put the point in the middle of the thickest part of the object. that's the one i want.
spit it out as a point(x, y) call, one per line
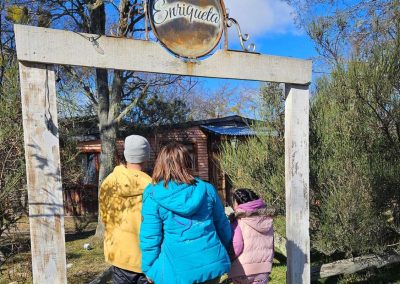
point(108, 109)
point(108, 135)
point(108, 131)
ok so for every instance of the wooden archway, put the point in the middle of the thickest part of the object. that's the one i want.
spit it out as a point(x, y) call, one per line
point(38, 49)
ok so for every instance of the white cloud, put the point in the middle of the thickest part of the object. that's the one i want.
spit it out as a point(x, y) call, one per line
point(263, 17)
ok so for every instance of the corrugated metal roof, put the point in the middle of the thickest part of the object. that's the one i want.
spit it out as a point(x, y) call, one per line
point(230, 130)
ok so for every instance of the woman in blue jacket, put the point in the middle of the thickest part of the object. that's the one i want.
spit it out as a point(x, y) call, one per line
point(184, 234)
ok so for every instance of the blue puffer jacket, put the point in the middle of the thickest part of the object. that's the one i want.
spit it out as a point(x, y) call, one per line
point(184, 233)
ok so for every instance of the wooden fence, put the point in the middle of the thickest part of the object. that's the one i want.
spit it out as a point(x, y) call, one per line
point(80, 200)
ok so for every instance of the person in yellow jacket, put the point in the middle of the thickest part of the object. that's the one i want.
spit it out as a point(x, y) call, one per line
point(120, 211)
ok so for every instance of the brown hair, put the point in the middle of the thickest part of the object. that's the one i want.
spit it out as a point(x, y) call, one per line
point(173, 164)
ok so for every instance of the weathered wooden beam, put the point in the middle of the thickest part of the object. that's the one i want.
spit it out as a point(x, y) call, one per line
point(64, 47)
point(349, 266)
point(45, 199)
point(297, 184)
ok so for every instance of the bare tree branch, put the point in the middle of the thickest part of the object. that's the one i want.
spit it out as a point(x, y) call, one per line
point(133, 103)
point(86, 88)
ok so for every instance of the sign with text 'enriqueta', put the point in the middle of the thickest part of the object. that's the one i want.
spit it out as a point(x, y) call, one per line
point(188, 28)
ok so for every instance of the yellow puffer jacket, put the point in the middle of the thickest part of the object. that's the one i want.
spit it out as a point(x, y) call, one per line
point(120, 210)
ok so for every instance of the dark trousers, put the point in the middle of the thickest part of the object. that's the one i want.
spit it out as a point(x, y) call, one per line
point(122, 276)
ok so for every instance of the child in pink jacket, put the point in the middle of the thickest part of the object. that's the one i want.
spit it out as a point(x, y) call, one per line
point(253, 239)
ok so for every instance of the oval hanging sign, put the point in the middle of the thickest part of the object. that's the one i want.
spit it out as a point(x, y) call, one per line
point(188, 28)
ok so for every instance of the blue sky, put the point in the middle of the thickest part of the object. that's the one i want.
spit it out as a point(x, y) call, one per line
point(271, 26)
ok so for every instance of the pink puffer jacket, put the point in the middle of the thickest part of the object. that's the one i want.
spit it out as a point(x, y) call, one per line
point(253, 242)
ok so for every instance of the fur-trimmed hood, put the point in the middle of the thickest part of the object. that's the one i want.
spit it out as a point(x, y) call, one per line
point(267, 212)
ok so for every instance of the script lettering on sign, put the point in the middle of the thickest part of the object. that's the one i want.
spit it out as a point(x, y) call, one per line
point(190, 28)
point(165, 12)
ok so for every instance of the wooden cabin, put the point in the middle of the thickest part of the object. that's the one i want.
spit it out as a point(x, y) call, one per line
point(202, 138)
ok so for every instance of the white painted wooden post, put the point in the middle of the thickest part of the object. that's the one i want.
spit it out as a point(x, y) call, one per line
point(46, 213)
point(297, 184)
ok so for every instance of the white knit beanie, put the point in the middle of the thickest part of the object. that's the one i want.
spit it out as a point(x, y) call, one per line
point(137, 149)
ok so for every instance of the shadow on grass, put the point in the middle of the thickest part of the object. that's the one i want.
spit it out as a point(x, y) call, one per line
point(17, 246)
point(83, 277)
point(388, 274)
point(79, 236)
point(21, 245)
point(73, 255)
point(281, 258)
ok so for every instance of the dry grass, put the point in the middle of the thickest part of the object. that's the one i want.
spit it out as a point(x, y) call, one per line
point(86, 264)
point(83, 265)
point(278, 274)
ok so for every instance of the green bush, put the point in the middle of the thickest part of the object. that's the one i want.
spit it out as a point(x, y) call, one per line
point(258, 162)
point(12, 167)
point(355, 150)
point(354, 155)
